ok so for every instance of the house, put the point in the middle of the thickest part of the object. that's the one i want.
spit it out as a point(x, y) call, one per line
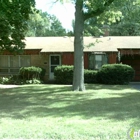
point(49, 52)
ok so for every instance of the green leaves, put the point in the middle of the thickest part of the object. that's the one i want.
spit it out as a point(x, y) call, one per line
point(115, 74)
point(43, 24)
point(13, 17)
point(130, 20)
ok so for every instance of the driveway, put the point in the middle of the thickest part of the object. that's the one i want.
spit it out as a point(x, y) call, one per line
point(135, 85)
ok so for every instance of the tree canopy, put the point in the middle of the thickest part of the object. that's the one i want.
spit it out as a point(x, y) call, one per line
point(44, 24)
point(123, 18)
point(129, 25)
point(13, 23)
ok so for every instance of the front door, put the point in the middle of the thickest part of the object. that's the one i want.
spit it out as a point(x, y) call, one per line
point(55, 60)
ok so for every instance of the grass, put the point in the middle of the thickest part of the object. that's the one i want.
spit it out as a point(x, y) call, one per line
point(102, 112)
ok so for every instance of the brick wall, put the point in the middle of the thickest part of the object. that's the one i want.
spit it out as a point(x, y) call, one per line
point(41, 60)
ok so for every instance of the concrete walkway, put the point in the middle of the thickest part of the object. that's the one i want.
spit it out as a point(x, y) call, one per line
point(8, 86)
point(135, 85)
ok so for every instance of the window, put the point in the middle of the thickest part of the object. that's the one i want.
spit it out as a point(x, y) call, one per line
point(12, 64)
point(97, 60)
point(24, 60)
point(3, 64)
point(55, 61)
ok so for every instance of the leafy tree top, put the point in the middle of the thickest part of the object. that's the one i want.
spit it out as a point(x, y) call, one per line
point(13, 23)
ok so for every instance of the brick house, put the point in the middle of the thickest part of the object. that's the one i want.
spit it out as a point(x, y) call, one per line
point(48, 52)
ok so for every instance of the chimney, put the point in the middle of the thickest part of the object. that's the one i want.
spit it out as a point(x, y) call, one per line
point(106, 30)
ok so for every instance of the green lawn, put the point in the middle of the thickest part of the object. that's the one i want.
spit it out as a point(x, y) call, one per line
point(102, 112)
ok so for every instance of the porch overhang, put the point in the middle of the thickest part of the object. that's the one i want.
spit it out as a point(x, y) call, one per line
point(129, 51)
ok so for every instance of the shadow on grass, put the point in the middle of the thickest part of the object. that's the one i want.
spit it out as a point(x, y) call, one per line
point(112, 87)
point(60, 101)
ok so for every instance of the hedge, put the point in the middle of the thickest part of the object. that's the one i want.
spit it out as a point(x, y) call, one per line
point(115, 74)
point(90, 76)
point(108, 74)
point(32, 72)
point(64, 75)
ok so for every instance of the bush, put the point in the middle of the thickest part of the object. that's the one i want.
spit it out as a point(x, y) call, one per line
point(4, 80)
point(42, 74)
point(115, 74)
point(14, 80)
point(63, 74)
point(90, 76)
point(10, 80)
point(28, 73)
point(33, 81)
point(17, 80)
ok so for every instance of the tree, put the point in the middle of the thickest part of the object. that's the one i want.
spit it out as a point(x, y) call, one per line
point(95, 26)
point(44, 24)
point(37, 24)
point(56, 28)
point(129, 25)
point(85, 9)
point(13, 23)
point(124, 22)
point(125, 29)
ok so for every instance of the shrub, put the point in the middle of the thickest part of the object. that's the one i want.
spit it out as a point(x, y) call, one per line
point(33, 81)
point(15, 80)
point(90, 76)
point(4, 80)
point(42, 74)
point(63, 74)
point(28, 73)
point(115, 74)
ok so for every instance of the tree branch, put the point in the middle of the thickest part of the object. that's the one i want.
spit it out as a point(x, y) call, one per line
point(98, 11)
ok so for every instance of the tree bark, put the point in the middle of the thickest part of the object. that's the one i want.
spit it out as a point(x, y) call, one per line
point(78, 78)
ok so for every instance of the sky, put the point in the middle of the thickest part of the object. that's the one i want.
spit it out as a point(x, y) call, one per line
point(64, 12)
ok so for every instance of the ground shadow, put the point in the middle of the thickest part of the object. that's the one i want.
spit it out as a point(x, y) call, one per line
point(28, 101)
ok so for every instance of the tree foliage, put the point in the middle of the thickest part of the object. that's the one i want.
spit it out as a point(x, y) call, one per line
point(44, 24)
point(129, 25)
point(123, 17)
point(13, 23)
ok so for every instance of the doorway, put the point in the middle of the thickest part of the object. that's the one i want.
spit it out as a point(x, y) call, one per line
point(55, 60)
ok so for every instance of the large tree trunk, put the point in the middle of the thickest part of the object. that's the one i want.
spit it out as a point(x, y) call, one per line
point(78, 78)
